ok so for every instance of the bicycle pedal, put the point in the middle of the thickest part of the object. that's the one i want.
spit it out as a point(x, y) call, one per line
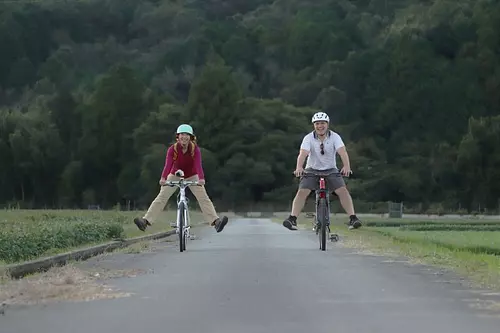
point(334, 237)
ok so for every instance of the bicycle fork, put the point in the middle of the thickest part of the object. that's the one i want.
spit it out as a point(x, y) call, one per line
point(187, 225)
point(179, 212)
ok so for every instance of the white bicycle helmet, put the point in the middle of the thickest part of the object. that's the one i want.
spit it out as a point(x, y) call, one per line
point(320, 116)
point(185, 128)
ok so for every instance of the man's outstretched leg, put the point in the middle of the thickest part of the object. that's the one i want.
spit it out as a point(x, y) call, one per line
point(347, 204)
point(336, 182)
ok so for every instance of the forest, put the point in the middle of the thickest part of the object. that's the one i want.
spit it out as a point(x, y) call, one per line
point(91, 93)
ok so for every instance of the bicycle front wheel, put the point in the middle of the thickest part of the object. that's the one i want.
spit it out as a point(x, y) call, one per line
point(182, 221)
point(322, 218)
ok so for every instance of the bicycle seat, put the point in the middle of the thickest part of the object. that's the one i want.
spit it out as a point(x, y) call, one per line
point(179, 173)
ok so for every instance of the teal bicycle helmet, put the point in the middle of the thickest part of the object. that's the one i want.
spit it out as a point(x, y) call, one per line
point(185, 128)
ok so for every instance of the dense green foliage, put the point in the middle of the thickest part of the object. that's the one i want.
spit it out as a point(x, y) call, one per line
point(91, 92)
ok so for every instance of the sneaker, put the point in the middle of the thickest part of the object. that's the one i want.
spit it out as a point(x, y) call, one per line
point(354, 222)
point(141, 223)
point(290, 223)
point(219, 224)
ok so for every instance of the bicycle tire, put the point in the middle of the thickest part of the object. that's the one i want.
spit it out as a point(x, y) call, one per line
point(322, 207)
point(186, 225)
point(182, 239)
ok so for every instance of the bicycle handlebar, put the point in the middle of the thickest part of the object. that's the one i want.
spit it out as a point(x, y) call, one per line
point(181, 183)
point(324, 173)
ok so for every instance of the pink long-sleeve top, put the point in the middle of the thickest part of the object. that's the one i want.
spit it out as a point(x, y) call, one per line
point(191, 165)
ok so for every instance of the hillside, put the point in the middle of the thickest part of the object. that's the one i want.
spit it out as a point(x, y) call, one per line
point(91, 92)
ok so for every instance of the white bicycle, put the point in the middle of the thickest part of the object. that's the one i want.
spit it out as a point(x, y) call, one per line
point(183, 225)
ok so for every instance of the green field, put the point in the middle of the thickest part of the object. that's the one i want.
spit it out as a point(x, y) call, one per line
point(480, 241)
point(30, 234)
point(479, 236)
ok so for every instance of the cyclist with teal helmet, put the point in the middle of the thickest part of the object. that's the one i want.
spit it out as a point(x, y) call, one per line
point(183, 155)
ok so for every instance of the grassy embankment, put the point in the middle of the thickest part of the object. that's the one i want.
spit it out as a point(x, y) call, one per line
point(30, 234)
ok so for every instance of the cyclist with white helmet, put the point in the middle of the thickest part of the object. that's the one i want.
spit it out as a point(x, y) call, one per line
point(183, 155)
point(320, 148)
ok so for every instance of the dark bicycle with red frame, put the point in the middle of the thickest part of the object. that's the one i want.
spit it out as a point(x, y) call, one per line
point(322, 206)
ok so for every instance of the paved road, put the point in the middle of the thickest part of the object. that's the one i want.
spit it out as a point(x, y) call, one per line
point(256, 277)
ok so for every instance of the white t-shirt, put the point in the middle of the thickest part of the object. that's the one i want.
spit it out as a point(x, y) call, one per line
point(330, 145)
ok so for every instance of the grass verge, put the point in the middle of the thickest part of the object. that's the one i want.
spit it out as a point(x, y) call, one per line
point(66, 283)
point(470, 249)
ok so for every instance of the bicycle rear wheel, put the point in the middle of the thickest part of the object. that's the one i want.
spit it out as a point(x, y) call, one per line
point(182, 238)
point(322, 217)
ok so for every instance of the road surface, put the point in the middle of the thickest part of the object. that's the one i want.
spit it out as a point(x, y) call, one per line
point(256, 276)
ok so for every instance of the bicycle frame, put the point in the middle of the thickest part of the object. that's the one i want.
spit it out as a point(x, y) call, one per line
point(322, 193)
point(322, 202)
point(182, 201)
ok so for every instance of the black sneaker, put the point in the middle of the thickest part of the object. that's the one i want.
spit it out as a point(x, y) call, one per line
point(141, 223)
point(290, 223)
point(219, 224)
point(354, 222)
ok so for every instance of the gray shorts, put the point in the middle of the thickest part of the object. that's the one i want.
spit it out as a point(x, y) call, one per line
point(333, 181)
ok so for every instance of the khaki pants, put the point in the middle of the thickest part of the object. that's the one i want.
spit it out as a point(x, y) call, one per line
point(166, 192)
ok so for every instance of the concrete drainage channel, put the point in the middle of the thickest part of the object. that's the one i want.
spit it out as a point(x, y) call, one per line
point(18, 271)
